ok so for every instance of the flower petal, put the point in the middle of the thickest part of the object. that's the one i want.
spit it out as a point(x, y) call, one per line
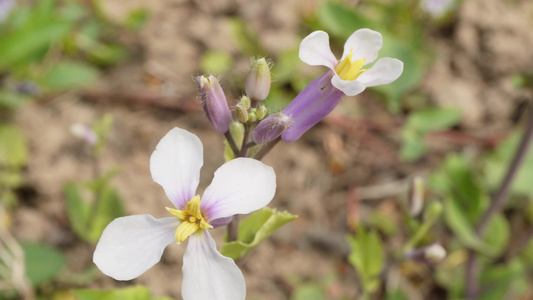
point(384, 71)
point(315, 50)
point(349, 88)
point(240, 186)
point(365, 43)
point(310, 106)
point(131, 245)
point(207, 274)
point(176, 163)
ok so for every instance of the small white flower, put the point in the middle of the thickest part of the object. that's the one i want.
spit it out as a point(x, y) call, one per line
point(131, 245)
point(360, 49)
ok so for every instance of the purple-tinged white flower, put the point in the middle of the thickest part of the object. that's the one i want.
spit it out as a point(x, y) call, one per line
point(346, 77)
point(131, 245)
point(84, 132)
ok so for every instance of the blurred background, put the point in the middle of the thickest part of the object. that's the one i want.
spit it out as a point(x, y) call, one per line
point(88, 88)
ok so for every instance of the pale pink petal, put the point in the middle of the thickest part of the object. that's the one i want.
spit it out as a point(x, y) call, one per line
point(315, 50)
point(240, 186)
point(349, 88)
point(365, 43)
point(131, 245)
point(208, 274)
point(175, 165)
point(384, 71)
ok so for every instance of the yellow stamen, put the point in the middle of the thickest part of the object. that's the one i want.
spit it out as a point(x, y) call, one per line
point(191, 217)
point(349, 70)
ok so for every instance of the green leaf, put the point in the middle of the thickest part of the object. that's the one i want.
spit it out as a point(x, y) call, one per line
point(433, 119)
point(246, 40)
point(137, 18)
point(254, 229)
point(67, 75)
point(10, 100)
point(42, 263)
point(367, 257)
point(497, 162)
point(287, 64)
point(130, 293)
point(497, 234)
point(496, 281)
point(216, 62)
point(458, 222)
point(308, 292)
point(22, 45)
point(77, 209)
point(109, 207)
point(13, 147)
point(340, 19)
point(413, 146)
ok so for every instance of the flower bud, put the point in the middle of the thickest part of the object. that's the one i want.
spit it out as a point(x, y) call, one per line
point(271, 128)
point(416, 196)
point(434, 253)
point(241, 112)
point(214, 103)
point(258, 80)
point(246, 102)
point(252, 115)
point(261, 112)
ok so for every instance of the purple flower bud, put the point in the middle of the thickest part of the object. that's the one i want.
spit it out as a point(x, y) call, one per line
point(214, 103)
point(271, 128)
point(311, 105)
point(258, 80)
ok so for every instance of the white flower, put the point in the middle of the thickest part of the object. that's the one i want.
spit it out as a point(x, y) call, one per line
point(361, 48)
point(131, 245)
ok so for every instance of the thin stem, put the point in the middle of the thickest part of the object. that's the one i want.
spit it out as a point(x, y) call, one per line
point(250, 144)
point(264, 151)
point(233, 229)
point(244, 149)
point(232, 143)
point(497, 204)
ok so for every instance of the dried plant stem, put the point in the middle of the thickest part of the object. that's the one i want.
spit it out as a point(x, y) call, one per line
point(496, 205)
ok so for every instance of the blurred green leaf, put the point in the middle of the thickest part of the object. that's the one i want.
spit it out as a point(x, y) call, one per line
point(67, 75)
point(458, 222)
point(130, 293)
point(340, 19)
point(109, 207)
point(137, 18)
point(11, 100)
point(22, 45)
point(367, 257)
point(497, 280)
point(246, 40)
point(42, 263)
point(497, 162)
point(308, 292)
point(13, 147)
point(286, 66)
point(216, 62)
point(413, 146)
point(432, 119)
point(497, 234)
point(77, 209)
point(254, 229)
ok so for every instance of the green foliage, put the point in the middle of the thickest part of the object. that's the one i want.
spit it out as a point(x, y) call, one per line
point(497, 162)
point(89, 217)
point(68, 75)
point(130, 293)
point(216, 62)
point(254, 229)
point(13, 156)
point(367, 257)
point(136, 19)
point(420, 123)
point(246, 40)
point(42, 263)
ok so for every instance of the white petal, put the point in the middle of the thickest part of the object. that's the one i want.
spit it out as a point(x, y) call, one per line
point(208, 274)
point(240, 186)
point(350, 88)
point(131, 245)
point(176, 163)
point(315, 50)
point(365, 43)
point(384, 71)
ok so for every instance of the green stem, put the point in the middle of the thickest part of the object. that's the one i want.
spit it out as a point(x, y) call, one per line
point(232, 143)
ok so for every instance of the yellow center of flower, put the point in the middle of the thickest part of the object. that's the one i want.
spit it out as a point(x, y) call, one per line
point(191, 217)
point(349, 70)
